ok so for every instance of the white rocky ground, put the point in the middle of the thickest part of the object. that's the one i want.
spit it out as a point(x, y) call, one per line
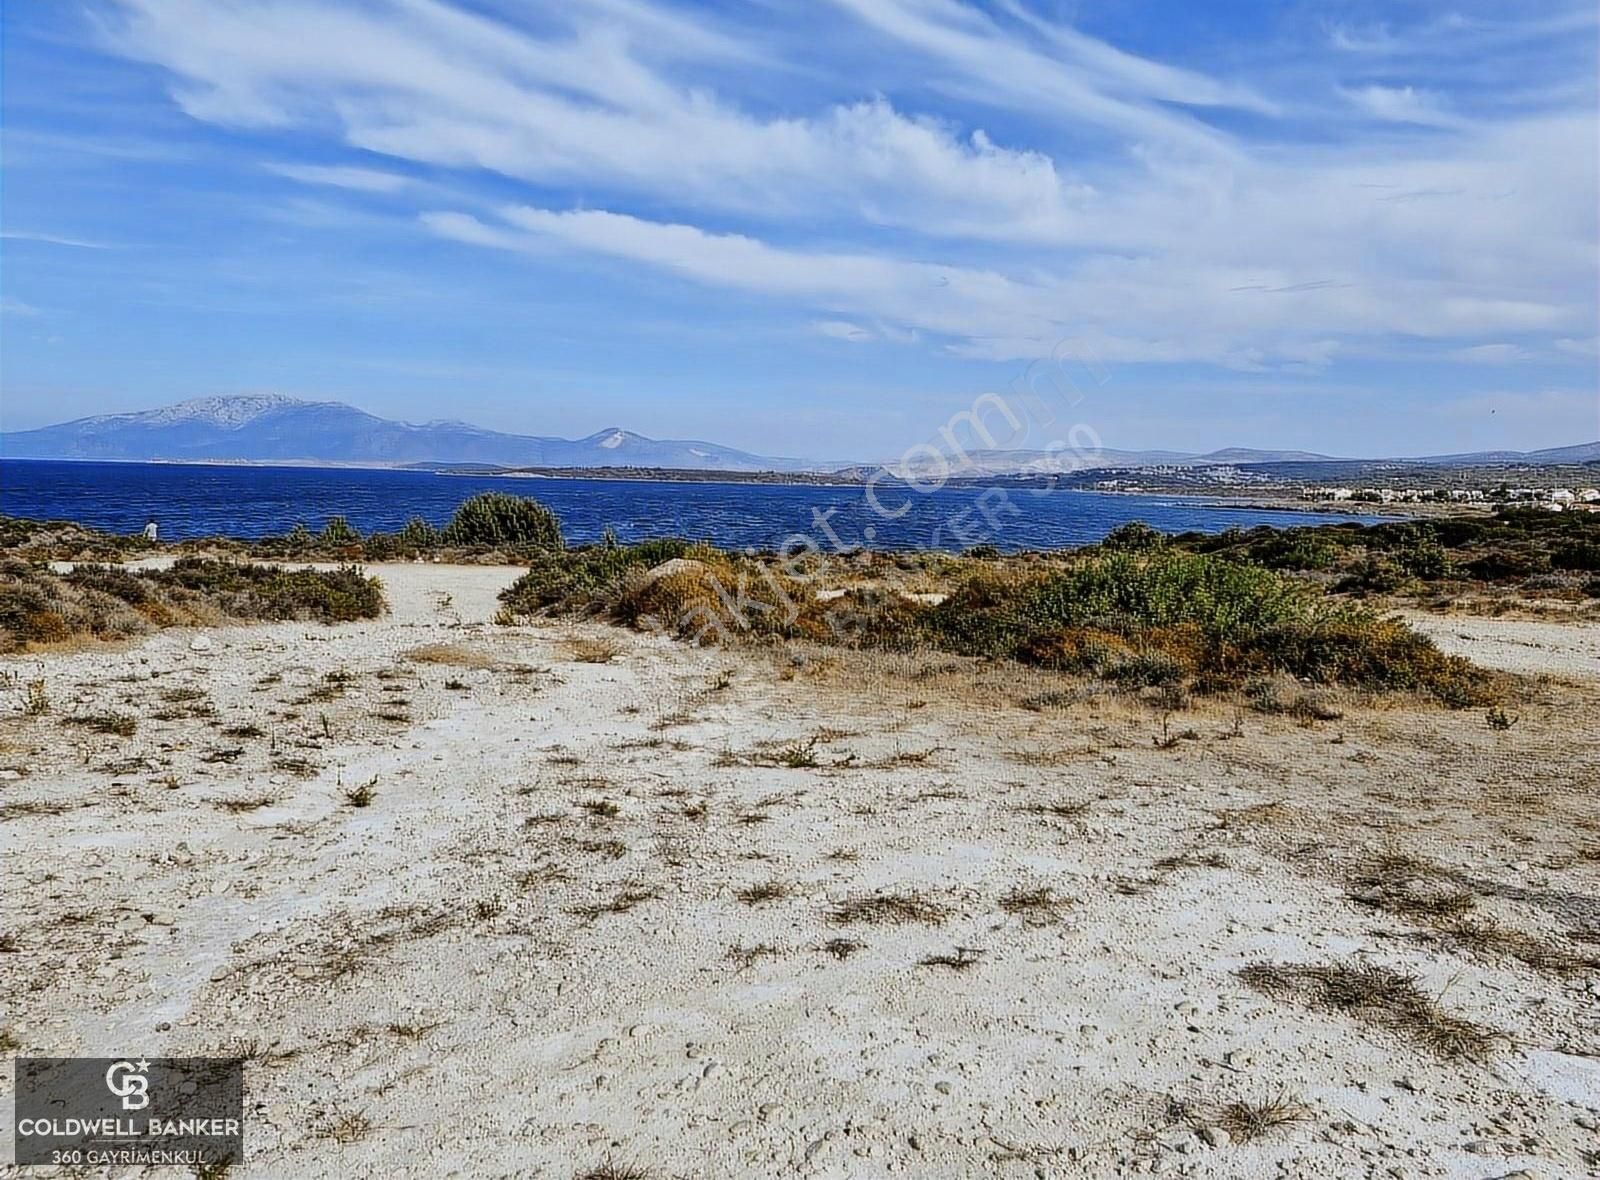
point(426, 985)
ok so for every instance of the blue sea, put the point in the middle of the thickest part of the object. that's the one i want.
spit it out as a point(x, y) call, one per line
point(203, 500)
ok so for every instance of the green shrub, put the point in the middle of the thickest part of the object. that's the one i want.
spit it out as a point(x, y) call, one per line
point(339, 532)
point(584, 579)
point(1133, 537)
point(501, 519)
point(1372, 575)
point(418, 534)
point(1158, 619)
point(1577, 555)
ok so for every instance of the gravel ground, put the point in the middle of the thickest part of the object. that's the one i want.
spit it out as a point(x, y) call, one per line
point(796, 913)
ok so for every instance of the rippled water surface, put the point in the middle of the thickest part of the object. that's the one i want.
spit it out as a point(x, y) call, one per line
point(195, 501)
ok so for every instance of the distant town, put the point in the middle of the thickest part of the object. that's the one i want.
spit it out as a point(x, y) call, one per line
point(1552, 499)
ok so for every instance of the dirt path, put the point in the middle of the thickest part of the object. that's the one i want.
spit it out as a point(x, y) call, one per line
point(735, 914)
point(1516, 645)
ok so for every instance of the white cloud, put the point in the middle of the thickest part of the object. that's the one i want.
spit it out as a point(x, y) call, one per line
point(1180, 241)
point(52, 240)
point(1491, 354)
point(1114, 309)
point(1402, 104)
point(843, 330)
point(368, 180)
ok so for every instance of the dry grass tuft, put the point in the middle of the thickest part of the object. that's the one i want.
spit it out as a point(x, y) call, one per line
point(115, 723)
point(773, 890)
point(363, 794)
point(842, 948)
point(625, 900)
point(1408, 886)
point(451, 655)
point(1037, 907)
point(1491, 939)
point(746, 956)
point(346, 1126)
point(965, 958)
point(1375, 995)
point(593, 651)
point(1059, 809)
point(889, 909)
point(26, 807)
point(1192, 860)
point(610, 1169)
point(1244, 1121)
point(249, 803)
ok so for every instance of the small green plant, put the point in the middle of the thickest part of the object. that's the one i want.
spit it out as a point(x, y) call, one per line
point(339, 532)
point(798, 755)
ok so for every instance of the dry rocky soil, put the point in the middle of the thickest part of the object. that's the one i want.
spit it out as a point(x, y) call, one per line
point(535, 901)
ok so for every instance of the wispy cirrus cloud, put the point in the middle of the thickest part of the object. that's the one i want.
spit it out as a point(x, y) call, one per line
point(366, 180)
point(975, 181)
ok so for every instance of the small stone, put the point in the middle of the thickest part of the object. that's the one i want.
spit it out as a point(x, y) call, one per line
point(942, 1087)
point(1411, 1084)
point(200, 643)
point(1214, 1137)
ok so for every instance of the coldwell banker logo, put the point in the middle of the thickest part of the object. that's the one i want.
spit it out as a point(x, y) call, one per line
point(106, 1111)
point(129, 1083)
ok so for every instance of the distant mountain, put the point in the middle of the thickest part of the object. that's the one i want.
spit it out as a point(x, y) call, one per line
point(1019, 462)
point(270, 428)
point(1582, 453)
point(273, 428)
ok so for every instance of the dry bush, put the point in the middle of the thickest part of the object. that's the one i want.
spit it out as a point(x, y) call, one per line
point(39, 607)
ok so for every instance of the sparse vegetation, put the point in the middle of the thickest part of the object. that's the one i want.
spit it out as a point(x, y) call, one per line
point(119, 724)
point(610, 1169)
point(39, 607)
point(620, 903)
point(889, 909)
point(1376, 995)
point(964, 959)
point(765, 891)
point(1038, 906)
point(1141, 613)
point(593, 651)
point(362, 794)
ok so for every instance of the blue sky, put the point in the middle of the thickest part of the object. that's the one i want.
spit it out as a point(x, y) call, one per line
point(815, 228)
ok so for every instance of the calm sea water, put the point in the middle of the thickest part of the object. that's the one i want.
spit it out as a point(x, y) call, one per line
point(198, 501)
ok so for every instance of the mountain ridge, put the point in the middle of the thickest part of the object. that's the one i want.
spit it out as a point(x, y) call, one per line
point(271, 427)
